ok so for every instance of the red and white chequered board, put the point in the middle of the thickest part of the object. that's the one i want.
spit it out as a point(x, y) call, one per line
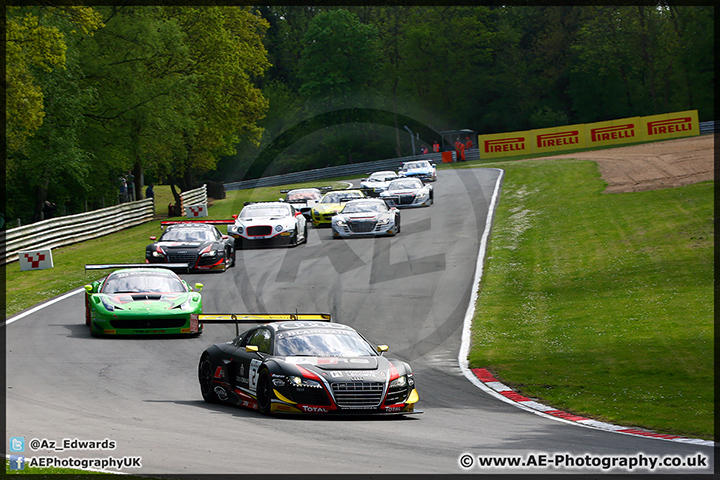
point(35, 259)
point(195, 211)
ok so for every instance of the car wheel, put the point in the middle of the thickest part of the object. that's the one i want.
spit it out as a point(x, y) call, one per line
point(264, 392)
point(232, 259)
point(87, 310)
point(205, 376)
point(305, 234)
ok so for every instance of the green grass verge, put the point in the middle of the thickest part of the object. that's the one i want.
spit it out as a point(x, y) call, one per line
point(601, 304)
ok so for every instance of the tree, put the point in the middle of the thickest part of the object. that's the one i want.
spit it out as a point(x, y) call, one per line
point(35, 42)
point(44, 104)
point(340, 59)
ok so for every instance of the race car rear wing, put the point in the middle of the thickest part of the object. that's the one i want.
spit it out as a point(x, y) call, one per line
point(237, 318)
point(105, 266)
point(326, 189)
point(164, 223)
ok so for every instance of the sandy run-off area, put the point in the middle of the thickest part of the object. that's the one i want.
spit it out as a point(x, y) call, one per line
point(652, 166)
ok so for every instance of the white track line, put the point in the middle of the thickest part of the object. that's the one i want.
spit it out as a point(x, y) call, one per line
point(40, 307)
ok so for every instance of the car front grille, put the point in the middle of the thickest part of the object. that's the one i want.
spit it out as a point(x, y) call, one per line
point(406, 199)
point(140, 323)
point(358, 394)
point(361, 227)
point(182, 258)
point(259, 230)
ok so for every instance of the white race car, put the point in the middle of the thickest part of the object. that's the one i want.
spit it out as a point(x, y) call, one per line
point(366, 217)
point(408, 192)
point(421, 169)
point(268, 223)
point(377, 182)
point(303, 199)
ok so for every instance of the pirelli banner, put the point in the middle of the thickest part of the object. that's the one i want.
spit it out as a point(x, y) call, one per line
point(599, 134)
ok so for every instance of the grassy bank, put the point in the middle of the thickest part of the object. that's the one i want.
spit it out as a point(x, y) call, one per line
point(601, 304)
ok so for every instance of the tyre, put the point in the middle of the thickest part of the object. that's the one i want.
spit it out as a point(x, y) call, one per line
point(264, 392)
point(87, 310)
point(305, 235)
point(205, 376)
point(232, 258)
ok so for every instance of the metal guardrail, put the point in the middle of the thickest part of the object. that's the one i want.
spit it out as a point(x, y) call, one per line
point(340, 171)
point(61, 231)
point(706, 128)
point(197, 196)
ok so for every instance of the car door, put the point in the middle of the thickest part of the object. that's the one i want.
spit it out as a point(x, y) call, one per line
point(246, 366)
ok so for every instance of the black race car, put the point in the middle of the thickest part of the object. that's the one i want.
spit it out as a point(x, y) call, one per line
point(199, 244)
point(306, 367)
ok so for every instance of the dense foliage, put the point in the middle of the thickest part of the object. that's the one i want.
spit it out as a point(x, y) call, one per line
point(181, 94)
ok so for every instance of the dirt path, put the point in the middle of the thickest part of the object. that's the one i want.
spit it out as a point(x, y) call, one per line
point(652, 166)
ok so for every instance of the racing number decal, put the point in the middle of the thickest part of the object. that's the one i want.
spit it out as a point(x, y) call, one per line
point(253, 374)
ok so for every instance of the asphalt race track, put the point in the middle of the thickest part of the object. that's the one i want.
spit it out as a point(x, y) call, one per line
point(410, 292)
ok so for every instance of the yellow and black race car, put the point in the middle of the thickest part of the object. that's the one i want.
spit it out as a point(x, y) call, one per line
point(304, 364)
point(331, 204)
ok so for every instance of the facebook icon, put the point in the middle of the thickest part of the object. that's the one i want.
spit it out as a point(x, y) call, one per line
point(17, 462)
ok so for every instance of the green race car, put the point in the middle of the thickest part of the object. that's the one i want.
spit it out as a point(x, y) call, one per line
point(142, 300)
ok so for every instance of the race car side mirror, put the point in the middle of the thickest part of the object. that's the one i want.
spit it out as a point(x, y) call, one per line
point(382, 348)
point(251, 348)
point(235, 217)
point(199, 287)
point(88, 288)
point(153, 238)
point(281, 199)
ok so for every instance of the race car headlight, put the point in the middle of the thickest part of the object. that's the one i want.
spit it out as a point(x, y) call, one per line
point(401, 382)
point(211, 253)
point(384, 221)
point(109, 306)
point(185, 305)
point(239, 229)
point(303, 382)
point(421, 194)
point(340, 223)
point(278, 228)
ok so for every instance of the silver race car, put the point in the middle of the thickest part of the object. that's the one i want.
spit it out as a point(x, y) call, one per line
point(377, 182)
point(408, 192)
point(366, 217)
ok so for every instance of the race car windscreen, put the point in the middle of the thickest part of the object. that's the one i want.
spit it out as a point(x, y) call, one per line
point(187, 235)
point(413, 165)
point(409, 184)
point(382, 177)
point(300, 196)
point(325, 343)
point(363, 207)
point(143, 282)
point(338, 197)
point(265, 211)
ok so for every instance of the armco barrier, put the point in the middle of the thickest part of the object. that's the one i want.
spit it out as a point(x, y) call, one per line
point(61, 231)
point(193, 197)
point(361, 169)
